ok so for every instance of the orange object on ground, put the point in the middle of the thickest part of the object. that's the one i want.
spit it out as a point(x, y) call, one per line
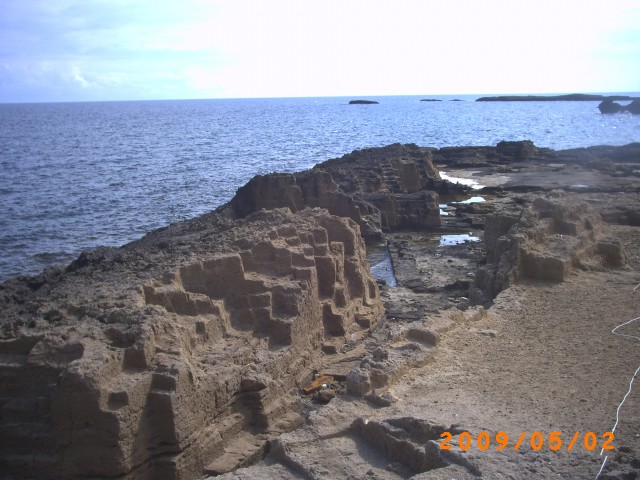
point(317, 384)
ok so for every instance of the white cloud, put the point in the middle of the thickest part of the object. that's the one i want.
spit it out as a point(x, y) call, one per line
point(199, 48)
point(77, 76)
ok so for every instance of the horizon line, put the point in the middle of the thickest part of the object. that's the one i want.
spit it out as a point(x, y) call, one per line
point(426, 95)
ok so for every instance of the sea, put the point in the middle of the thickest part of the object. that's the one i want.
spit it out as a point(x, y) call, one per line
point(75, 176)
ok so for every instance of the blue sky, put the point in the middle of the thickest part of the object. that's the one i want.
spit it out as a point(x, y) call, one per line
point(77, 50)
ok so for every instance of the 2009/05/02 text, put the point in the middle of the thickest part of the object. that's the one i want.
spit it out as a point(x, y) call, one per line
point(536, 440)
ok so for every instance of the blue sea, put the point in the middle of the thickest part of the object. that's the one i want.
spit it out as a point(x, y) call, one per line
point(79, 175)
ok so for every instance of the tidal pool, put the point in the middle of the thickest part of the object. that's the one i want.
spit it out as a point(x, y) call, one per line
point(462, 181)
point(380, 262)
point(457, 239)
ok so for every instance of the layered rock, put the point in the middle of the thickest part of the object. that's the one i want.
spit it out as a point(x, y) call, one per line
point(179, 351)
point(381, 189)
point(543, 238)
point(504, 152)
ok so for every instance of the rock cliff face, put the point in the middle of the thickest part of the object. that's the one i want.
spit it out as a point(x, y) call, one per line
point(382, 189)
point(180, 351)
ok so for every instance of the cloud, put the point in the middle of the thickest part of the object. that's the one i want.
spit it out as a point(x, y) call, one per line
point(77, 76)
point(196, 48)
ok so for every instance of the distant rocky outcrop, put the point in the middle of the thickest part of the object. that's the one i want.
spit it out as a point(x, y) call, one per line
point(609, 106)
point(430, 100)
point(380, 188)
point(175, 353)
point(573, 97)
point(363, 102)
point(633, 107)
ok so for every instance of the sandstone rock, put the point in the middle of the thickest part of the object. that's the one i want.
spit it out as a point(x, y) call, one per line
point(381, 189)
point(182, 352)
point(414, 443)
point(178, 351)
point(325, 395)
point(380, 400)
point(517, 151)
point(544, 239)
point(385, 366)
point(358, 382)
point(469, 157)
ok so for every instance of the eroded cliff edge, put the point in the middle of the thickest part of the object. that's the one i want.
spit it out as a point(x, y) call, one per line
point(147, 361)
point(185, 349)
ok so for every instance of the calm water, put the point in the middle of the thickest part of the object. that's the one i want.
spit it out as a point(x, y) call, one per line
point(79, 175)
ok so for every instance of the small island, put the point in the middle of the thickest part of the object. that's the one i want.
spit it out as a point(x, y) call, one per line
point(363, 102)
point(430, 100)
point(572, 97)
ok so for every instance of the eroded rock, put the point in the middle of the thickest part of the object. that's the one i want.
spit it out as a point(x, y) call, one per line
point(544, 238)
point(381, 189)
point(192, 355)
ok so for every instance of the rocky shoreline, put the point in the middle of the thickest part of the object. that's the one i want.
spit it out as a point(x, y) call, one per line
point(186, 353)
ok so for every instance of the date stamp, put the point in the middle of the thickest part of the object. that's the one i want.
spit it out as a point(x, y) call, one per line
point(536, 441)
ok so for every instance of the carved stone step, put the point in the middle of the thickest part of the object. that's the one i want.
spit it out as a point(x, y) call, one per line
point(244, 450)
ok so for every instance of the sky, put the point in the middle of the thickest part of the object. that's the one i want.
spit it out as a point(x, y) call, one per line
point(88, 50)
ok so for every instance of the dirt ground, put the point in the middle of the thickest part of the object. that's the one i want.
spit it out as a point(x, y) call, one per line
point(543, 358)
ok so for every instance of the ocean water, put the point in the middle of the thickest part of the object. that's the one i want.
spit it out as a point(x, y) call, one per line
point(79, 175)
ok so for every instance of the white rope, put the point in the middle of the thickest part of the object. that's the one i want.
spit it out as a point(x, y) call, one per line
point(604, 462)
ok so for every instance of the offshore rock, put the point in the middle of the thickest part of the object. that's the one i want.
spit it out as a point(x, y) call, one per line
point(381, 189)
point(633, 107)
point(609, 106)
point(179, 352)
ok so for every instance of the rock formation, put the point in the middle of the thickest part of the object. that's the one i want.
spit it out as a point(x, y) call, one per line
point(381, 189)
point(363, 102)
point(609, 106)
point(633, 107)
point(178, 351)
point(545, 238)
point(572, 97)
point(183, 352)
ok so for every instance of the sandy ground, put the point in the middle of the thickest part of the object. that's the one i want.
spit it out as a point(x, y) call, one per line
point(541, 359)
